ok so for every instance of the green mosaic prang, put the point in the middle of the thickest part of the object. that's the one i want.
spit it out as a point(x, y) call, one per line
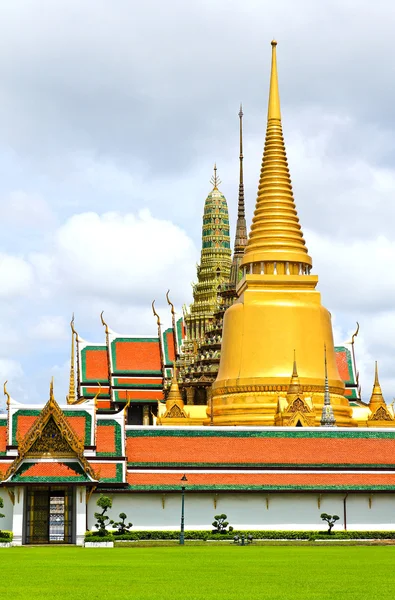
point(67, 413)
point(132, 341)
point(351, 380)
point(118, 436)
point(117, 479)
point(261, 488)
point(85, 380)
point(292, 433)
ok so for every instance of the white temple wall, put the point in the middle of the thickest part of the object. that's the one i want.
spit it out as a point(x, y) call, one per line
point(7, 511)
point(287, 511)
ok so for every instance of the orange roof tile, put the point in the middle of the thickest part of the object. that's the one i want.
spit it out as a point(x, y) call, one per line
point(105, 438)
point(284, 479)
point(263, 450)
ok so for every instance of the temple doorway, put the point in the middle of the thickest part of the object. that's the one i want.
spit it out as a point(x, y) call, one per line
point(49, 515)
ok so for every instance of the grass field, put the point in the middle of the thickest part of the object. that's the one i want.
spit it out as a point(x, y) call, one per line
point(229, 572)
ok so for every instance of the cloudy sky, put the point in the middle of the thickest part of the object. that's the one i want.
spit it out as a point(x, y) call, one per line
point(112, 114)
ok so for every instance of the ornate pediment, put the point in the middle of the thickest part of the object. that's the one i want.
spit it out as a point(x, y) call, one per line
point(51, 435)
point(175, 413)
point(381, 414)
point(51, 442)
point(298, 405)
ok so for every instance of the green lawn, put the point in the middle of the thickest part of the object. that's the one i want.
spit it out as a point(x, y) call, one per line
point(230, 572)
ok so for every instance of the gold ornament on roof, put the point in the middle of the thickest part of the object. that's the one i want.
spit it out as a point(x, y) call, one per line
point(155, 314)
point(103, 322)
point(6, 392)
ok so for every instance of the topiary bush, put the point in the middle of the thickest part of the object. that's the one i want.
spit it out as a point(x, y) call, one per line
point(220, 525)
point(104, 502)
point(122, 527)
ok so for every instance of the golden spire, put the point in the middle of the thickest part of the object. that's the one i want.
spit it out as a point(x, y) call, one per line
point(276, 236)
point(376, 399)
point(215, 180)
point(174, 396)
point(71, 397)
point(51, 394)
point(294, 385)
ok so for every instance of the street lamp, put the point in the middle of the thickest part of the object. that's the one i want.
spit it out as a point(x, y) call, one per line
point(183, 479)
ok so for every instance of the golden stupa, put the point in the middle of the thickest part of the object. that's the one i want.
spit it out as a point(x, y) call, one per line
point(278, 310)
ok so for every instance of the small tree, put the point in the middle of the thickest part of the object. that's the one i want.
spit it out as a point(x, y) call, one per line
point(121, 526)
point(331, 520)
point(221, 524)
point(104, 502)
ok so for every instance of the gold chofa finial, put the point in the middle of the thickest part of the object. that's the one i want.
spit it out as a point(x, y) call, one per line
point(103, 321)
point(6, 392)
point(170, 303)
point(215, 180)
point(155, 313)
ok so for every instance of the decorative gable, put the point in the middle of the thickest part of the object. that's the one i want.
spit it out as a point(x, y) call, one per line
point(50, 435)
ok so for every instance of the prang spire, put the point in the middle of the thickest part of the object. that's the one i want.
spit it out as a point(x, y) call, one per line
point(327, 418)
point(377, 398)
point(241, 226)
point(276, 244)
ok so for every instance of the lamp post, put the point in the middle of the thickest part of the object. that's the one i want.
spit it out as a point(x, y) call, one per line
point(183, 479)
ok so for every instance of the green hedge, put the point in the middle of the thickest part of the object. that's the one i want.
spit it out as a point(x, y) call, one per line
point(92, 536)
point(6, 536)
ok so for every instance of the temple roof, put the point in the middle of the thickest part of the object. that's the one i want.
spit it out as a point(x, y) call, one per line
point(254, 447)
point(265, 481)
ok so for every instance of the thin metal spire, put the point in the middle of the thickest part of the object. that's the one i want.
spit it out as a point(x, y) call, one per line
point(327, 418)
point(241, 225)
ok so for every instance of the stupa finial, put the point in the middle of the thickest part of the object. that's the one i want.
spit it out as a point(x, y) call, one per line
point(215, 180)
point(276, 238)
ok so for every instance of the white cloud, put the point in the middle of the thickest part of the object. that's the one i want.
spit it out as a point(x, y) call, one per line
point(125, 258)
point(50, 328)
point(22, 210)
point(16, 276)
